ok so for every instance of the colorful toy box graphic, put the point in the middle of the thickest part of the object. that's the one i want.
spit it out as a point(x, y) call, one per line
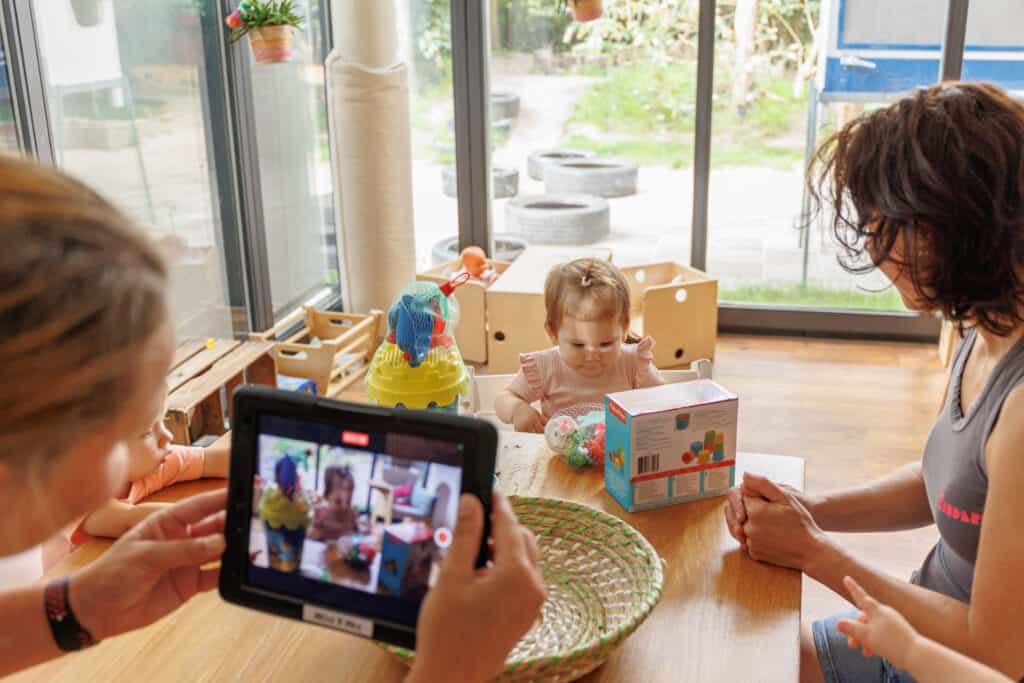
point(670, 444)
point(406, 556)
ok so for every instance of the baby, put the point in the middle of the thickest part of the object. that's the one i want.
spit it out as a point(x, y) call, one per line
point(337, 517)
point(587, 304)
point(152, 464)
point(884, 632)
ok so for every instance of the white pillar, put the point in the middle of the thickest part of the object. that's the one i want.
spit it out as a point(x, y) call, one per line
point(366, 32)
point(371, 151)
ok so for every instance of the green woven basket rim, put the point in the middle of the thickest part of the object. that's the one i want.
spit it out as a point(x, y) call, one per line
point(599, 648)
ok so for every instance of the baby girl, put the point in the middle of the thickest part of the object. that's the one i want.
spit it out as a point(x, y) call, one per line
point(151, 463)
point(587, 304)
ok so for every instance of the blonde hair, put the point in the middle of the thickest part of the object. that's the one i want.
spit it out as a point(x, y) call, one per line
point(81, 291)
point(588, 289)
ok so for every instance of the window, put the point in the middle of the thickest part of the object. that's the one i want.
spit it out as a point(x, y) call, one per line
point(8, 126)
point(781, 67)
point(290, 110)
point(425, 42)
point(592, 126)
point(126, 85)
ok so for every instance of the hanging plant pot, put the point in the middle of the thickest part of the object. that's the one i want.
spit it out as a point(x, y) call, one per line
point(87, 12)
point(586, 10)
point(271, 44)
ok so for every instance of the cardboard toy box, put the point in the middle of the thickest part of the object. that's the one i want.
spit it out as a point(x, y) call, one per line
point(670, 444)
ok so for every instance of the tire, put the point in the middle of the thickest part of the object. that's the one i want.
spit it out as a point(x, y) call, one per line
point(504, 182)
point(504, 105)
point(536, 162)
point(506, 247)
point(600, 177)
point(559, 218)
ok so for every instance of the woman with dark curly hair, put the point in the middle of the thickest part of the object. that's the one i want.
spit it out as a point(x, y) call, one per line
point(931, 191)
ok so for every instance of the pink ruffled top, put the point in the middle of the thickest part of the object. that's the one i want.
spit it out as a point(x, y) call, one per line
point(543, 376)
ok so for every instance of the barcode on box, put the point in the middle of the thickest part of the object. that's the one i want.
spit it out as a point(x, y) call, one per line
point(648, 463)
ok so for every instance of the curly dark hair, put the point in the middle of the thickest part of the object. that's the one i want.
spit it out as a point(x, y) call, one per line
point(944, 168)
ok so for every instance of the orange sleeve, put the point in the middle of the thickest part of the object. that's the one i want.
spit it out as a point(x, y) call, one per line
point(183, 463)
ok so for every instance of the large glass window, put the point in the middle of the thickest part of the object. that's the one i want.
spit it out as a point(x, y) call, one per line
point(290, 109)
point(425, 42)
point(129, 113)
point(593, 126)
point(781, 66)
point(8, 126)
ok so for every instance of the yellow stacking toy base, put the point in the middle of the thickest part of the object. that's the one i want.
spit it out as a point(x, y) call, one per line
point(436, 383)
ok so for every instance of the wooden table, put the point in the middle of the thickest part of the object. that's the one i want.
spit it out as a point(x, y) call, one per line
point(722, 617)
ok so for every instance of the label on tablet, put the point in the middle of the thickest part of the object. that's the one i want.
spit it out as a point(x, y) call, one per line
point(337, 620)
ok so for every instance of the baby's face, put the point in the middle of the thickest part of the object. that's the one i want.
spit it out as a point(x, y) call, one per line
point(341, 494)
point(590, 347)
point(148, 450)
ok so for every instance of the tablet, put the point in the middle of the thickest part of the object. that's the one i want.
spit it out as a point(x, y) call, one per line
point(340, 514)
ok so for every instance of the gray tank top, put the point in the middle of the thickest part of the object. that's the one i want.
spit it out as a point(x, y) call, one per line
point(955, 475)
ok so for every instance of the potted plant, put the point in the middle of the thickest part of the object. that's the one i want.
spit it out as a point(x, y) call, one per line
point(269, 27)
point(585, 10)
point(87, 12)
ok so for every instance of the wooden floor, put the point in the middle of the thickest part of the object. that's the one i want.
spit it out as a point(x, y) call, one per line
point(853, 410)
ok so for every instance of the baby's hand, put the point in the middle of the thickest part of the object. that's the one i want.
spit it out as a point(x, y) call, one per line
point(879, 629)
point(527, 419)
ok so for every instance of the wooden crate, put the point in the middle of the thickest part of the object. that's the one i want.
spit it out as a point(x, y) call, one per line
point(340, 357)
point(202, 383)
point(678, 307)
point(471, 332)
point(515, 304)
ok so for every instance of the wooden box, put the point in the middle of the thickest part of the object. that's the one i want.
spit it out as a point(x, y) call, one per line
point(471, 332)
point(202, 383)
point(515, 304)
point(678, 306)
point(341, 354)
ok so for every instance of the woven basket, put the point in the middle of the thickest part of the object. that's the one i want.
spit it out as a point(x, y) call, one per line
point(603, 579)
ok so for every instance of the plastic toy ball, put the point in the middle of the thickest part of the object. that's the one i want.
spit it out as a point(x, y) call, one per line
point(558, 432)
point(474, 260)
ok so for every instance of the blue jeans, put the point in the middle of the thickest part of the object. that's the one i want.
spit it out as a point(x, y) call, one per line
point(842, 664)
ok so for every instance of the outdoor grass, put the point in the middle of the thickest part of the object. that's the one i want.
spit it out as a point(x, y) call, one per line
point(819, 297)
point(646, 113)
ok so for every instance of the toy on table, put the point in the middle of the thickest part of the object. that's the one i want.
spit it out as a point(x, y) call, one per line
point(406, 556)
point(357, 550)
point(286, 514)
point(419, 365)
point(577, 434)
point(670, 444)
point(474, 262)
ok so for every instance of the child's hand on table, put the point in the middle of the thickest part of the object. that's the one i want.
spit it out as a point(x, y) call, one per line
point(473, 617)
point(153, 569)
point(528, 419)
point(879, 630)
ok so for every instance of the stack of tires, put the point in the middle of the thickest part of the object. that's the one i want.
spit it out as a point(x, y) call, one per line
point(574, 207)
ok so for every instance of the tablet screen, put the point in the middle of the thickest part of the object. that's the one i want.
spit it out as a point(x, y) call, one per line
point(351, 519)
